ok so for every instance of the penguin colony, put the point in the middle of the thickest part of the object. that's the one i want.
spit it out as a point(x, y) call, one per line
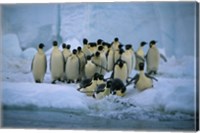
point(87, 66)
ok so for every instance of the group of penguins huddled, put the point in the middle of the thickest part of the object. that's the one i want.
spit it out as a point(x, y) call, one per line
point(88, 65)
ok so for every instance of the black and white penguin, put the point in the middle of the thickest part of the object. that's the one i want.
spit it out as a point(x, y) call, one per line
point(142, 80)
point(99, 42)
point(103, 59)
point(82, 61)
point(117, 87)
point(90, 68)
point(115, 44)
point(120, 70)
point(96, 59)
point(86, 48)
point(140, 55)
point(102, 90)
point(153, 58)
point(39, 64)
point(118, 53)
point(89, 87)
point(110, 58)
point(93, 47)
point(66, 51)
point(130, 51)
point(56, 63)
point(72, 69)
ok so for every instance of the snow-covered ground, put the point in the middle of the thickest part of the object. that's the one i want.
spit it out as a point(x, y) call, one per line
point(172, 98)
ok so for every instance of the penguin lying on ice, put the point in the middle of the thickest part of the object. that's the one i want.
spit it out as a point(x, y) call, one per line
point(153, 58)
point(102, 90)
point(142, 80)
point(117, 87)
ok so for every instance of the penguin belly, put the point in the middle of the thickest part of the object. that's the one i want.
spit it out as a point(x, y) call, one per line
point(116, 56)
point(72, 68)
point(90, 70)
point(119, 93)
point(110, 60)
point(153, 58)
point(127, 57)
point(121, 73)
point(90, 89)
point(103, 64)
point(57, 66)
point(98, 62)
point(144, 83)
point(138, 61)
point(39, 67)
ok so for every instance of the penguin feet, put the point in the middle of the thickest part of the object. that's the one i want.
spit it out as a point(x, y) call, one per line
point(53, 82)
point(38, 81)
point(69, 81)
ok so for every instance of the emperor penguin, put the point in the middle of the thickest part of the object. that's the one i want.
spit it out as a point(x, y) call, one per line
point(72, 67)
point(56, 63)
point(117, 87)
point(118, 53)
point(153, 58)
point(106, 46)
point(110, 58)
point(39, 64)
point(86, 48)
point(140, 55)
point(82, 62)
point(66, 51)
point(103, 60)
point(96, 59)
point(90, 87)
point(93, 47)
point(90, 68)
point(130, 50)
point(142, 80)
point(121, 70)
point(115, 43)
point(99, 42)
point(102, 90)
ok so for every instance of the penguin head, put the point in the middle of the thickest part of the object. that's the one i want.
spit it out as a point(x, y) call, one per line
point(142, 44)
point(99, 41)
point(88, 57)
point(96, 76)
point(121, 51)
point(92, 44)
point(79, 49)
point(100, 48)
point(68, 46)
point(121, 63)
point(128, 46)
point(101, 77)
point(55, 43)
point(108, 84)
point(141, 66)
point(97, 54)
point(116, 39)
point(41, 45)
point(74, 51)
point(64, 45)
point(153, 42)
point(85, 41)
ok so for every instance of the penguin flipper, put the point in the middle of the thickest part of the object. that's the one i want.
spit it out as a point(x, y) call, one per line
point(100, 88)
point(136, 78)
point(32, 63)
point(139, 57)
point(151, 77)
point(163, 57)
point(45, 64)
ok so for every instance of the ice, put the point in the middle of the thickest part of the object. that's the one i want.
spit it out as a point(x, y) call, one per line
point(29, 53)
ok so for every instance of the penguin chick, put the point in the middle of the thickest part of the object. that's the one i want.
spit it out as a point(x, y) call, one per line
point(39, 65)
point(102, 90)
point(143, 81)
point(153, 58)
point(117, 87)
point(56, 63)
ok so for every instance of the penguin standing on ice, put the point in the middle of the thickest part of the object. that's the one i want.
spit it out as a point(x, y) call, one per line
point(39, 65)
point(130, 51)
point(103, 60)
point(72, 67)
point(153, 58)
point(86, 48)
point(82, 60)
point(96, 59)
point(115, 44)
point(66, 53)
point(120, 70)
point(56, 63)
point(90, 68)
point(140, 55)
point(110, 58)
point(93, 47)
point(142, 80)
point(118, 53)
point(102, 90)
